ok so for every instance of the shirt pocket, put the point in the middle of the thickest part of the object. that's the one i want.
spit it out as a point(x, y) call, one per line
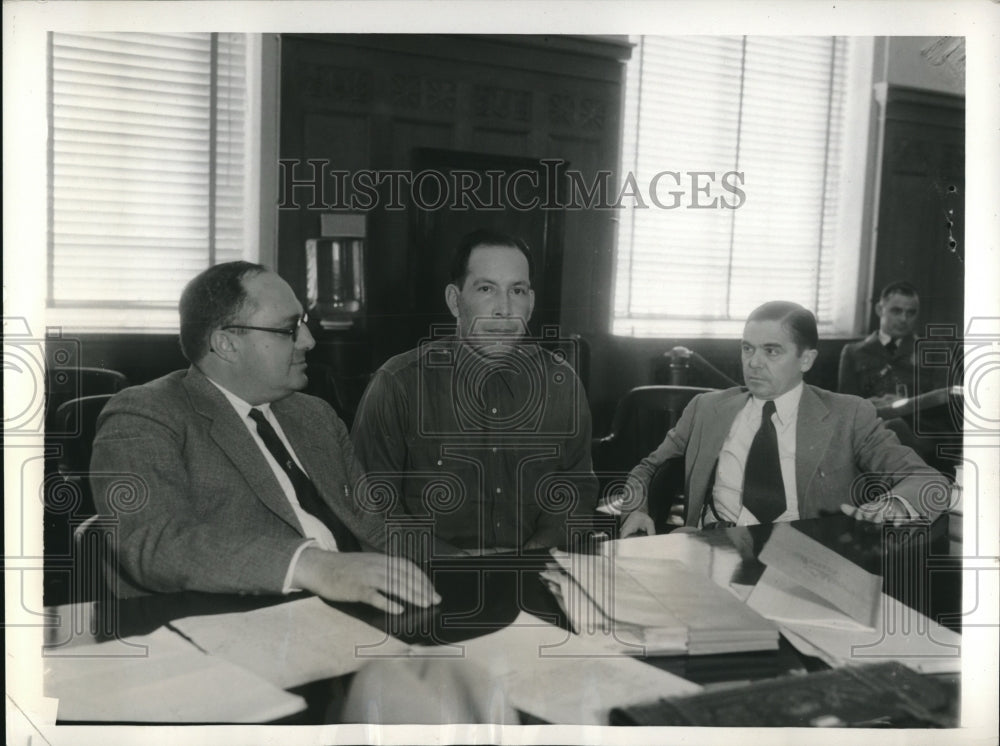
point(440, 484)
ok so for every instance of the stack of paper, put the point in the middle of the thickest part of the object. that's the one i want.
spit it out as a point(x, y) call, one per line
point(656, 607)
point(170, 681)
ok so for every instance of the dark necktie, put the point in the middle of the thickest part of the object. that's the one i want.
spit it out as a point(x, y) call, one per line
point(763, 488)
point(891, 347)
point(305, 490)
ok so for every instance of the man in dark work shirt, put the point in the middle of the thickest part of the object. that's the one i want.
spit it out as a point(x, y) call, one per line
point(484, 436)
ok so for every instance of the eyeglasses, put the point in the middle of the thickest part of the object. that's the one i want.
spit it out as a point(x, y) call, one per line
point(289, 331)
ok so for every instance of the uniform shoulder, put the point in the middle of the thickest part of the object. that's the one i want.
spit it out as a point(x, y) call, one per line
point(857, 345)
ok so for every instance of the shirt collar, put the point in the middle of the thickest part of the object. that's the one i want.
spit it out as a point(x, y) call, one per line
point(884, 338)
point(520, 348)
point(786, 406)
point(242, 407)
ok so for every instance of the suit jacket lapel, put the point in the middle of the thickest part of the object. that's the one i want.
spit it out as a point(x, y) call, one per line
point(720, 418)
point(812, 436)
point(317, 464)
point(233, 439)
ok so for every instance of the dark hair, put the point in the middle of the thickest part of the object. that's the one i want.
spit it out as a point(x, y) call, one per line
point(901, 287)
point(485, 237)
point(212, 299)
point(799, 321)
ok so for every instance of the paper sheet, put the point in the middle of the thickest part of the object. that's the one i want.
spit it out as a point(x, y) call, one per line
point(175, 682)
point(816, 628)
point(829, 575)
point(535, 660)
point(781, 599)
point(903, 635)
point(292, 643)
point(671, 546)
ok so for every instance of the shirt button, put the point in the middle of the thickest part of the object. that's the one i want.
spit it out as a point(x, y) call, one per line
point(440, 462)
point(494, 450)
point(494, 410)
point(498, 490)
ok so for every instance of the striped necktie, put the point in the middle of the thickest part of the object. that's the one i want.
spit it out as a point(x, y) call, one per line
point(306, 492)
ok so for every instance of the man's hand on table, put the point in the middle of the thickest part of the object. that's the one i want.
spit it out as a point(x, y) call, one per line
point(637, 522)
point(885, 509)
point(365, 577)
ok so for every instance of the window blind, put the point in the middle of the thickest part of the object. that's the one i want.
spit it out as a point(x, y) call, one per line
point(147, 164)
point(770, 108)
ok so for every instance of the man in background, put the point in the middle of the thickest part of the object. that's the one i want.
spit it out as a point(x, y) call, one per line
point(779, 449)
point(486, 435)
point(243, 485)
point(882, 368)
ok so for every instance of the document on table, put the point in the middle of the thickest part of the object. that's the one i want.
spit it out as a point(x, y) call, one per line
point(562, 677)
point(818, 629)
point(834, 578)
point(173, 682)
point(292, 643)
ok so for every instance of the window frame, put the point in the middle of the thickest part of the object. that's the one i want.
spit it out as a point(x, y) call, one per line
point(857, 184)
point(258, 244)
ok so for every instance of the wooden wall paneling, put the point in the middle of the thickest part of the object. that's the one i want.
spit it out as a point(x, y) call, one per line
point(515, 97)
point(921, 205)
point(437, 232)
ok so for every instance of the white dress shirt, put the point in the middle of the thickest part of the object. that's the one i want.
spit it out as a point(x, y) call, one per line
point(312, 527)
point(727, 493)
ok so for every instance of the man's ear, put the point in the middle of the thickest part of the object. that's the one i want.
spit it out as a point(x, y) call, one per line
point(878, 309)
point(806, 359)
point(223, 345)
point(451, 294)
point(531, 303)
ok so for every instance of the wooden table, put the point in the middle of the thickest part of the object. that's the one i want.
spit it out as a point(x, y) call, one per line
point(483, 594)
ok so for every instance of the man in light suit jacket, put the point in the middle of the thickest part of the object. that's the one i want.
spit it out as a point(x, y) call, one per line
point(826, 442)
point(241, 484)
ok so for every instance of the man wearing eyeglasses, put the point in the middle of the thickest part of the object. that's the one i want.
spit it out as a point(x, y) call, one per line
point(244, 484)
